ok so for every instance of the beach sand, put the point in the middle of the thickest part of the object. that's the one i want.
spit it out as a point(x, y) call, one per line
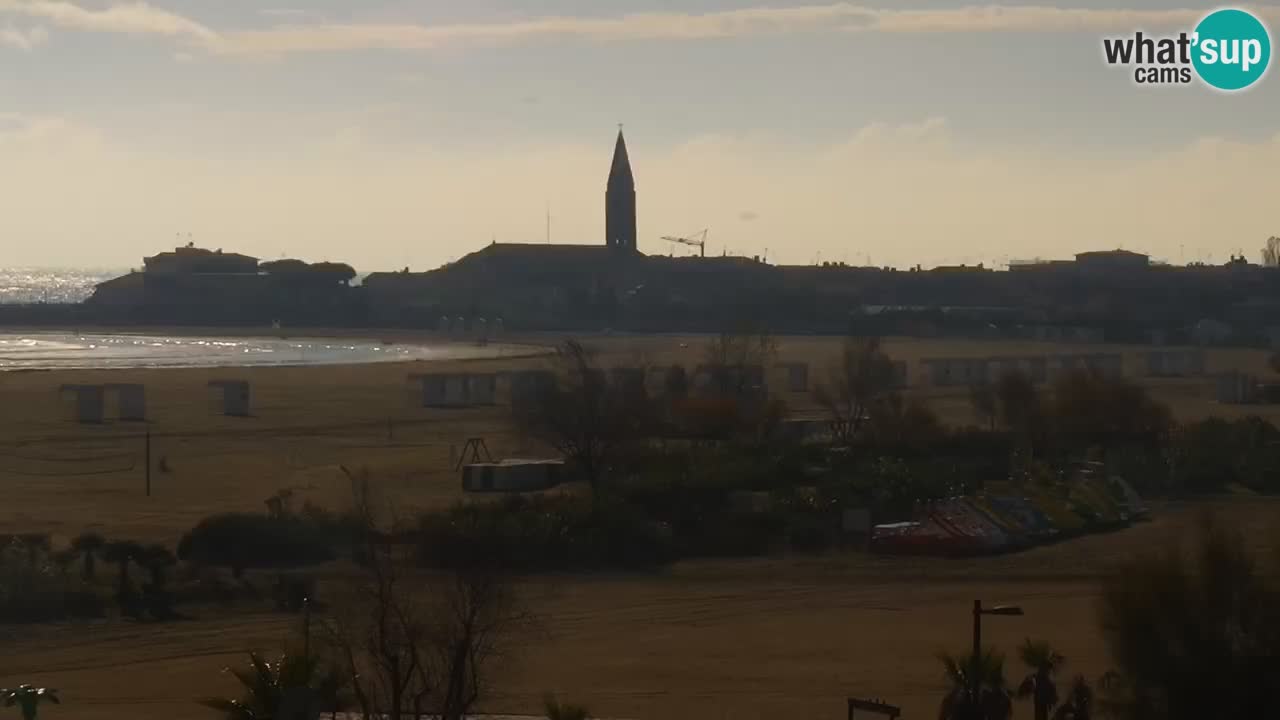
point(768, 638)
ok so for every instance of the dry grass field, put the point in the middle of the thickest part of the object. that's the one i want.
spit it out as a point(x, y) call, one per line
point(782, 637)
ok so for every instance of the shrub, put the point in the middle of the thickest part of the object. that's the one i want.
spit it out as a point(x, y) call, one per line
point(543, 533)
point(293, 592)
point(733, 534)
point(33, 590)
point(241, 542)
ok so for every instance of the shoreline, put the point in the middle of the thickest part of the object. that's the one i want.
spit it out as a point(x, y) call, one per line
point(451, 350)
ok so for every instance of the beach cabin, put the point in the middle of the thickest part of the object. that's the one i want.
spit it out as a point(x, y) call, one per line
point(1107, 365)
point(89, 403)
point(512, 476)
point(482, 390)
point(956, 372)
point(131, 401)
point(795, 376)
point(529, 386)
point(231, 397)
point(1236, 388)
point(1175, 363)
point(448, 390)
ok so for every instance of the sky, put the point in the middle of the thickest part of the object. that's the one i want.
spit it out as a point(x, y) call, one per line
point(407, 133)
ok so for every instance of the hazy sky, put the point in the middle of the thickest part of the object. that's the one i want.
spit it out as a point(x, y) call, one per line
point(388, 133)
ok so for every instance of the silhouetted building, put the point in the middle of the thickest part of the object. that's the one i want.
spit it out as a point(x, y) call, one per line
point(620, 201)
point(191, 259)
point(1112, 261)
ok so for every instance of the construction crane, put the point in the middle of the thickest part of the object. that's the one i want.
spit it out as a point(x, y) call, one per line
point(700, 242)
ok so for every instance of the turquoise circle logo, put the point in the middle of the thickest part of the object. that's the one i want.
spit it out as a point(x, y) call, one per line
point(1232, 49)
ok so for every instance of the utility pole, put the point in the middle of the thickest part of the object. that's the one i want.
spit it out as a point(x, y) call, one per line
point(148, 460)
point(306, 627)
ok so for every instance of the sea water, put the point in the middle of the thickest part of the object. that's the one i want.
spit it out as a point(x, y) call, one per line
point(54, 350)
point(24, 286)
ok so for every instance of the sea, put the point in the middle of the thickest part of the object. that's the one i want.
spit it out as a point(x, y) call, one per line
point(59, 349)
point(25, 286)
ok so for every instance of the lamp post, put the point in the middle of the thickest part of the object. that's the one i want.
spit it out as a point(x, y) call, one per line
point(975, 680)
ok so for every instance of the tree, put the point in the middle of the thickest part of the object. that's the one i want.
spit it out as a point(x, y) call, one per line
point(1044, 662)
point(242, 541)
point(1020, 407)
point(1079, 702)
point(863, 376)
point(731, 357)
point(28, 699)
point(1193, 632)
point(89, 545)
point(897, 422)
point(1271, 252)
point(584, 416)
point(1090, 407)
point(157, 560)
point(983, 399)
point(415, 647)
point(121, 553)
point(475, 612)
point(993, 701)
point(266, 684)
point(556, 710)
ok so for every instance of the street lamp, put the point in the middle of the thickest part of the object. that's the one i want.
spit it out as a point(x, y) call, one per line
point(975, 682)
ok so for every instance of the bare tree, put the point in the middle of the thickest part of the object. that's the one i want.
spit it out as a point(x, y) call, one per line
point(731, 356)
point(863, 377)
point(1019, 405)
point(417, 646)
point(476, 613)
point(1271, 252)
point(584, 416)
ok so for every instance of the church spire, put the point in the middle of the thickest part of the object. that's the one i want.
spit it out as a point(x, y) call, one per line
point(620, 200)
point(620, 172)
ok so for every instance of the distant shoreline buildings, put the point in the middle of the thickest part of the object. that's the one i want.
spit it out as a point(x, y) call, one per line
point(1112, 295)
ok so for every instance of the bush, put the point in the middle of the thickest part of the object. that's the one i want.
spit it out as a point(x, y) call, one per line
point(32, 590)
point(293, 592)
point(206, 586)
point(241, 542)
point(543, 533)
point(733, 534)
point(809, 534)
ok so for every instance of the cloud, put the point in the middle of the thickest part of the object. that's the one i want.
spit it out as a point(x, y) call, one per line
point(19, 39)
point(292, 32)
point(137, 18)
point(836, 17)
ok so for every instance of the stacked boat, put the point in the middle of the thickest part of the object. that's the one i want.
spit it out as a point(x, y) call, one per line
point(1008, 518)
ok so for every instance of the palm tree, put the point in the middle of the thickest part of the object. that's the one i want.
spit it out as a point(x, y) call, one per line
point(34, 543)
point(89, 545)
point(556, 710)
point(993, 700)
point(157, 559)
point(1044, 663)
point(266, 684)
point(28, 699)
point(1079, 704)
point(122, 552)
